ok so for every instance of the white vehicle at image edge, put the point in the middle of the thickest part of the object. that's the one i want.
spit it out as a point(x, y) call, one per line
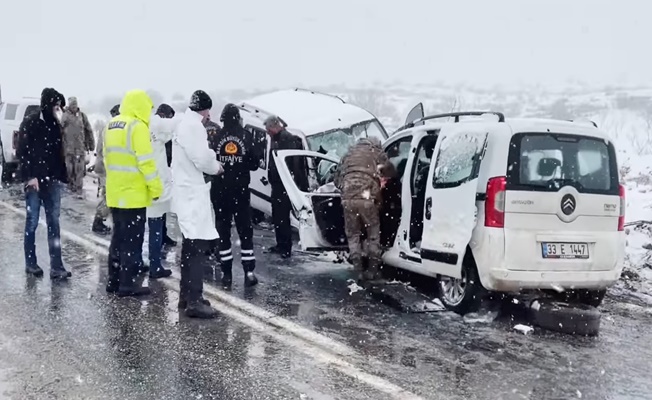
point(488, 204)
point(12, 114)
point(323, 122)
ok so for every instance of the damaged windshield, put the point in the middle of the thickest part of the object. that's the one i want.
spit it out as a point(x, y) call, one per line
point(337, 141)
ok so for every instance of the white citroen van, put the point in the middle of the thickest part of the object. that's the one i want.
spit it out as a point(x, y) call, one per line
point(325, 124)
point(488, 204)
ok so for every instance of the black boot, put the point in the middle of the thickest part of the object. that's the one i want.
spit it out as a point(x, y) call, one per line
point(183, 303)
point(160, 273)
point(99, 227)
point(60, 275)
point(250, 279)
point(35, 270)
point(128, 285)
point(249, 265)
point(196, 257)
point(113, 281)
point(199, 309)
point(227, 273)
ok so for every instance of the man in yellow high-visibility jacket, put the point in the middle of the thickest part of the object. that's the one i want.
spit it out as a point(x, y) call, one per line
point(132, 182)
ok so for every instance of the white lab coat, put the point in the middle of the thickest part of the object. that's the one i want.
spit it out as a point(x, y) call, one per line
point(191, 159)
point(162, 130)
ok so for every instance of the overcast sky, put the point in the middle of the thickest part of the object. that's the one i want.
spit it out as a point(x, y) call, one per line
point(91, 48)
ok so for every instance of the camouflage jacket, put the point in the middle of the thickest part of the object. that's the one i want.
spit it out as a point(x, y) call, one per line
point(77, 133)
point(359, 172)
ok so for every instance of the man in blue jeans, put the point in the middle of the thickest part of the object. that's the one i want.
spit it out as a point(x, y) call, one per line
point(43, 169)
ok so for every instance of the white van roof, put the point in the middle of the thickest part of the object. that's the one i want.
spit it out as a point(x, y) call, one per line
point(311, 112)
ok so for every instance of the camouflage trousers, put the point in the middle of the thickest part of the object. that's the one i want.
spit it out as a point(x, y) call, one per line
point(362, 216)
point(102, 209)
point(76, 170)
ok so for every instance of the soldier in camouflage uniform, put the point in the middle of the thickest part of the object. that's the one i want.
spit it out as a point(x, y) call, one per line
point(77, 140)
point(358, 178)
point(102, 212)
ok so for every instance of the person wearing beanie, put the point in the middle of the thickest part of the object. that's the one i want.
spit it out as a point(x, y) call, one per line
point(43, 169)
point(102, 212)
point(78, 139)
point(162, 127)
point(166, 111)
point(230, 194)
point(192, 161)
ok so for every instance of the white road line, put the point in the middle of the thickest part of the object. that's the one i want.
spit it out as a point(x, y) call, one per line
point(313, 344)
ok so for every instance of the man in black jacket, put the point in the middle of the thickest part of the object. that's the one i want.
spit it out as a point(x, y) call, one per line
point(281, 139)
point(43, 169)
point(230, 194)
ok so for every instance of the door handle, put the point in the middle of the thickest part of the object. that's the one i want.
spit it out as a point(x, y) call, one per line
point(428, 207)
point(264, 181)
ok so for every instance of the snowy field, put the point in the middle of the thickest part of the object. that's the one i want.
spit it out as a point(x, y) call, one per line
point(625, 114)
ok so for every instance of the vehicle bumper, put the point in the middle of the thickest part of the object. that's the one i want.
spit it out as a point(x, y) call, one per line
point(503, 280)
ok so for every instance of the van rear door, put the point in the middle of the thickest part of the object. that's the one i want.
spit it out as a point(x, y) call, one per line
point(562, 203)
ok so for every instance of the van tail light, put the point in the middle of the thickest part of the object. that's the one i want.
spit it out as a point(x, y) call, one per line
point(14, 141)
point(623, 205)
point(494, 206)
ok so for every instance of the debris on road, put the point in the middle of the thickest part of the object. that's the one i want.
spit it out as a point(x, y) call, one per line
point(354, 287)
point(524, 329)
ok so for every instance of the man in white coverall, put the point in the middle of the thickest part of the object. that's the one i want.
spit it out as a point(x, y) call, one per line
point(162, 127)
point(193, 164)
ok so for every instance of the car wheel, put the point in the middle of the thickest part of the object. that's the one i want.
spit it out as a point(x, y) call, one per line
point(463, 295)
point(574, 319)
point(591, 297)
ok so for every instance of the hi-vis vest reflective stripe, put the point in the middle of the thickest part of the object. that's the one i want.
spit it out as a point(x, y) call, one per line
point(128, 150)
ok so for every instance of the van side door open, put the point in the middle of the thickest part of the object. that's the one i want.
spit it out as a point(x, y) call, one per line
point(319, 208)
point(450, 211)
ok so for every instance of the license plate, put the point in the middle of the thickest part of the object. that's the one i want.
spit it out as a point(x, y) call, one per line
point(565, 250)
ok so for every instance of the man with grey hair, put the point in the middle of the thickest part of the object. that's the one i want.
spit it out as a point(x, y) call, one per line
point(358, 177)
point(281, 139)
point(78, 139)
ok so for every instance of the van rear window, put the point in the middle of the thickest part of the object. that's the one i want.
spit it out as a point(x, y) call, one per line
point(549, 161)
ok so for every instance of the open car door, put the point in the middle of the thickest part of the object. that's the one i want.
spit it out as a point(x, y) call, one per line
point(415, 113)
point(450, 212)
point(318, 207)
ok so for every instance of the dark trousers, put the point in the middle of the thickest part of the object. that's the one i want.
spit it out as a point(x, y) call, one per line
point(281, 208)
point(194, 257)
point(48, 195)
point(126, 250)
point(234, 204)
point(165, 227)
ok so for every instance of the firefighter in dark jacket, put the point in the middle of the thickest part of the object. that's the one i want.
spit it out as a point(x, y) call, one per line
point(230, 194)
point(281, 139)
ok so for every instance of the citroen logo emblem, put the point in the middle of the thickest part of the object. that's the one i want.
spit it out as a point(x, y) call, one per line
point(568, 204)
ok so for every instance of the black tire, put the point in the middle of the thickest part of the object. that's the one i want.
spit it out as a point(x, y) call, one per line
point(573, 319)
point(472, 291)
point(591, 297)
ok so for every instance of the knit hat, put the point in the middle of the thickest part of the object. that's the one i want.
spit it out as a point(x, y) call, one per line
point(115, 110)
point(165, 110)
point(200, 101)
point(72, 102)
point(230, 114)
